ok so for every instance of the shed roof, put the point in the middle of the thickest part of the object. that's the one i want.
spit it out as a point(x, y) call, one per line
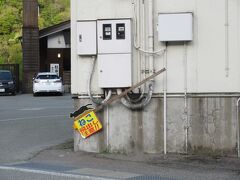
point(54, 29)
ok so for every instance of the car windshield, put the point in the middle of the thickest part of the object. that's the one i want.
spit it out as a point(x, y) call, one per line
point(47, 76)
point(5, 75)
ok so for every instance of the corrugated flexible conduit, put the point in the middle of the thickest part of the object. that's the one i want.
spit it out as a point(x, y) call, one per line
point(127, 102)
point(135, 106)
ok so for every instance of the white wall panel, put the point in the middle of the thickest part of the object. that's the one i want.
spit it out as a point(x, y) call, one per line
point(104, 9)
point(56, 41)
point(211, 47)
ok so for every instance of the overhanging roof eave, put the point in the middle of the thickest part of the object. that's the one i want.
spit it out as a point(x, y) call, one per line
point(54, 29)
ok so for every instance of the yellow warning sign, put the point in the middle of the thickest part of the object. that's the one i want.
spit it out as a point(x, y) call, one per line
point(87, 124)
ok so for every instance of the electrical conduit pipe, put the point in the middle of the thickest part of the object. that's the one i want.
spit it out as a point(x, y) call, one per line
point(144, 102)
point(238, 133)
point(96, 101)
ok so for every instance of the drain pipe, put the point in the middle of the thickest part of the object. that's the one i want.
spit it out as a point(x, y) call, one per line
point(165, 120)
point(226, 38)
point(185, 97)
point(165, 104)
point(107, 127)
point(142, 40)
point(238, 133)
point(150, 35)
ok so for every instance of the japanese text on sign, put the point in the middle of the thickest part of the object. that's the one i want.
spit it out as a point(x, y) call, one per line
point(87, 124)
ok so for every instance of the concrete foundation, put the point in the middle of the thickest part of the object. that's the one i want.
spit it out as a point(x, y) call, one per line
point(202, 125)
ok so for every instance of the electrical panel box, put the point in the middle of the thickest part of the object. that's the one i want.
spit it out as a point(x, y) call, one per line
point(114, 70)
point(114, 53)
point(175, 27)
point(114, 36)
point(86, 37)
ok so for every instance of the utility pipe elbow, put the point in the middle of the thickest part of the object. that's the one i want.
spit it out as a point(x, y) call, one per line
point(137, 106)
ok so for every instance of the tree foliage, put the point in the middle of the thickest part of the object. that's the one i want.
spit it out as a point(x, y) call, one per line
point(10, 30)
point(51, 12)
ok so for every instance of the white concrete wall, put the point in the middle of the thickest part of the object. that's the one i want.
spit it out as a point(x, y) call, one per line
point(206, 54)
point(212, 123)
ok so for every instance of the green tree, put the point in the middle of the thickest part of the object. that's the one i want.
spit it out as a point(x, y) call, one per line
point(53, 12)
point(10, 30)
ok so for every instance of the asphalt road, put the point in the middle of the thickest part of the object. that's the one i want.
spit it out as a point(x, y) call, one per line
point(30, 124)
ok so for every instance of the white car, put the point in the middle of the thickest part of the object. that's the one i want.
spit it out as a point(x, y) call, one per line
point(47, 82)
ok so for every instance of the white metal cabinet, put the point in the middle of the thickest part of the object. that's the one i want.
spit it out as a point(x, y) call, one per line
point(114, 53)
point(114, 70)
point(175, 27)
point(86, 38)
point(110, 39)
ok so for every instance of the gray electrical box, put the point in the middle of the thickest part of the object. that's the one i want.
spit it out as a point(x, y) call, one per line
point(175, 27)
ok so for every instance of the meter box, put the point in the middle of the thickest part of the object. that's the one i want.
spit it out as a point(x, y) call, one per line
point(175, 27)
point(114, 36)
point(114, 70)
point(87, 37)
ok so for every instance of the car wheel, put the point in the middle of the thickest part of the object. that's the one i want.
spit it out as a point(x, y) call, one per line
point(34, 94)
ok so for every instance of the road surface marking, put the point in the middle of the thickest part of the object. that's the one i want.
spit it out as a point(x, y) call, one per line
point(23, 170)
point(105, 173)
point(43, 108)
point(31, 109)
point(33, 117)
